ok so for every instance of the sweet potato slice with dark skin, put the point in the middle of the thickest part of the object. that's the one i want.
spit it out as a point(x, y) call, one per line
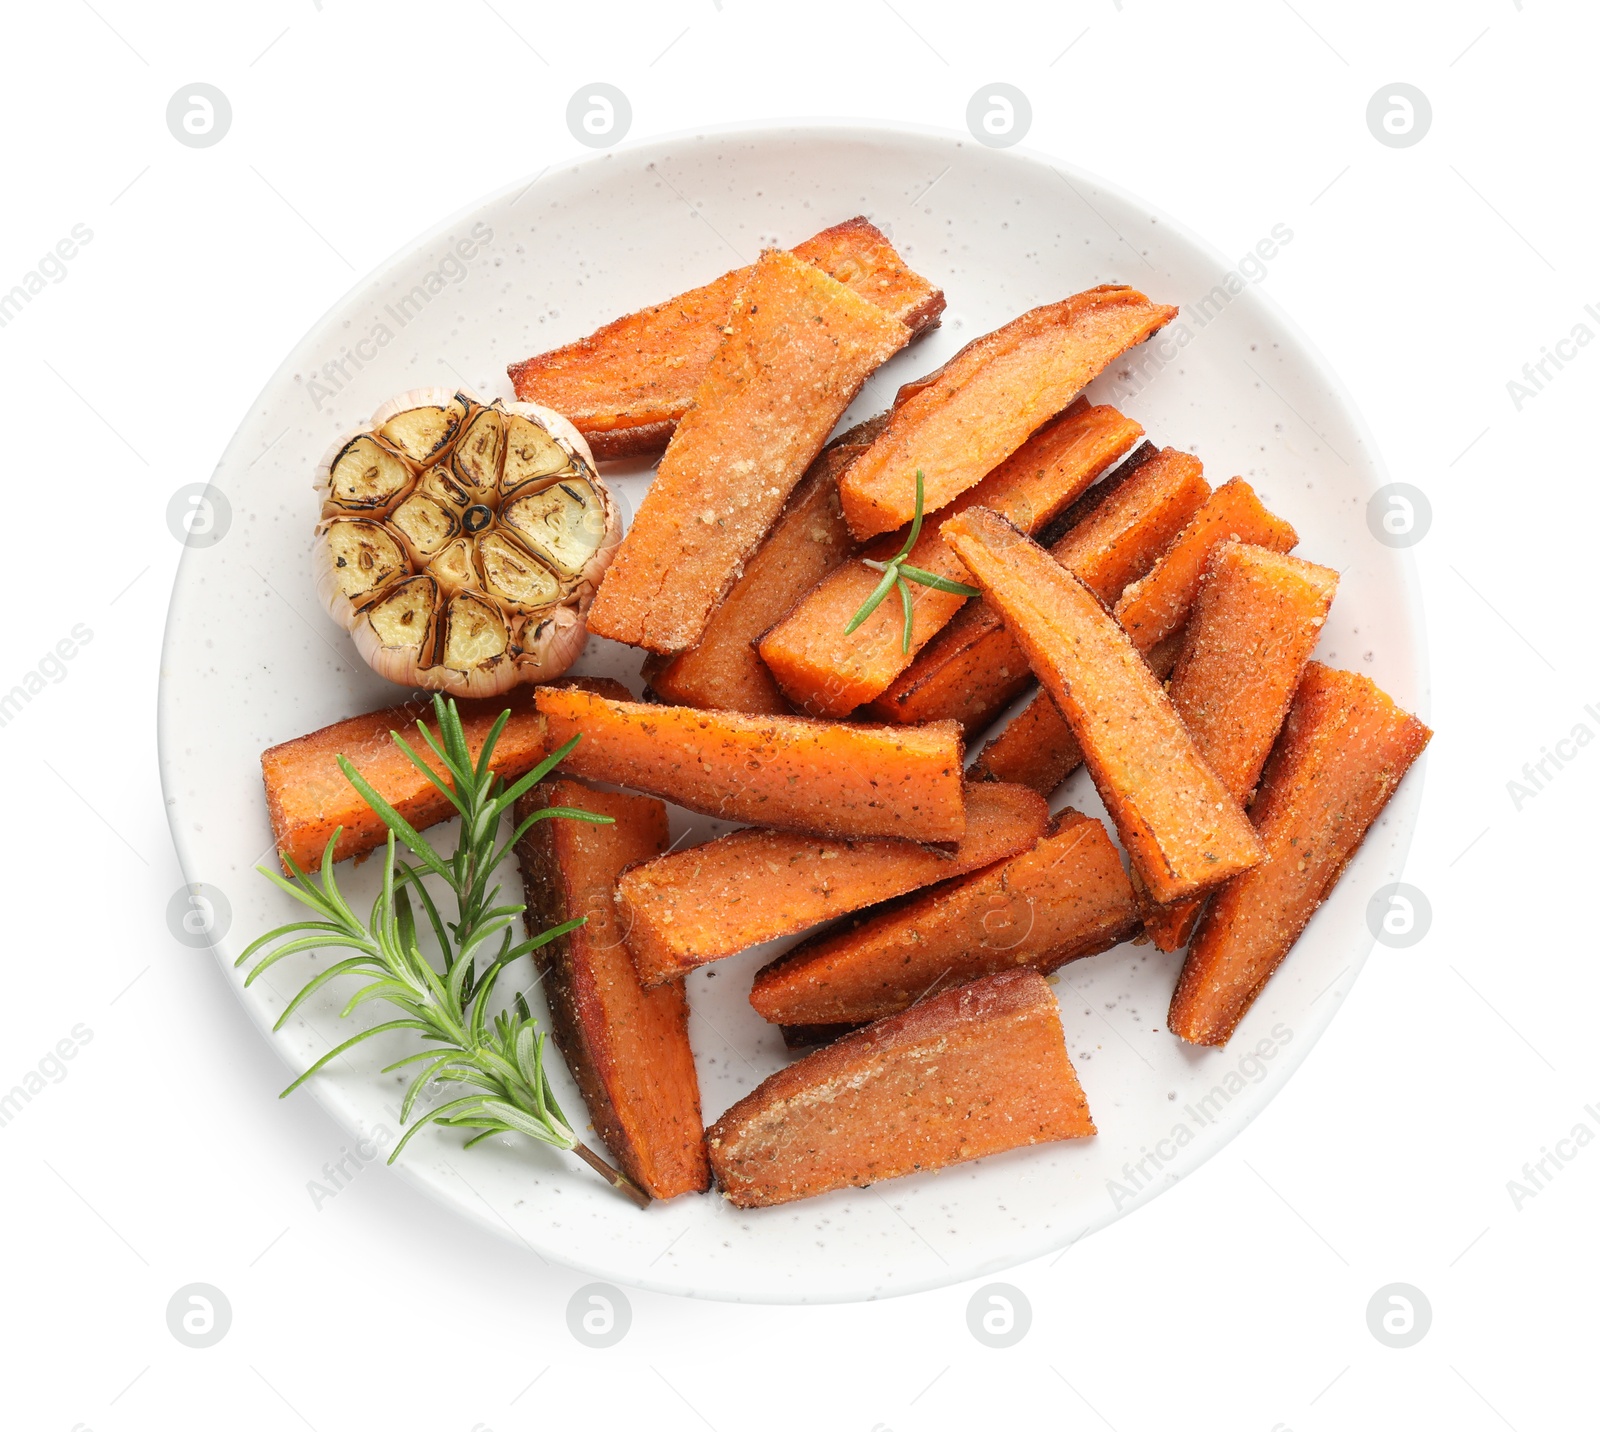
point(809, 540)
point(693, 906)
point(626, 385)
point(798, 349)
point(628, 1047)
point(970, 1072)
point(826, 672)
point(1155, 606)
point(308, 797)
point(974, 668)
point(1342, 753)
point(1181, 829)
point(786, 772)
point(1066, 898)
point(1037, 749)
point(982, 405)
point(1253, 627)
point(808, 1036)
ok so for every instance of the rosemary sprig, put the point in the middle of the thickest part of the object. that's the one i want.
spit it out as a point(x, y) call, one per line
point(500, 1060)
point(897, 572)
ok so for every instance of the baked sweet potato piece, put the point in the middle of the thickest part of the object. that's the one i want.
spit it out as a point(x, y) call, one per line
point(970, 672)
point(627, 1047)
point(1126, 535)
point(1181, 829)
point(1066, 898)
point(308, 797)
point(970, 1072)
point(626, 385)
point(798, 348)
point(1037, 749)
point(828, 673)
point(982, 405)
point(1162, 521)
point(974, 668)
point(713, 900)
point(807, 542)
point(1342, 753)
point(1253, 627)
point(785, 772)
point(1156, 605)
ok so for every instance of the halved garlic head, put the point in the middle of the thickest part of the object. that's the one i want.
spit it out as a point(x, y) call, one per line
point(461, 543)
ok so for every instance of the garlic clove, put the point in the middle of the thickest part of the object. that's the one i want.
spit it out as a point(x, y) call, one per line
point(363, 556)
point(477, 456)
point(441, 485)
point(422, 424)
point(531, 453)
point(475, 632)
point(454, 568)
point(560, 428)
point(514, 576)
point(366, 476)
point(424, 524)
point(396, 631)
point(550, 641)
point(564, 523)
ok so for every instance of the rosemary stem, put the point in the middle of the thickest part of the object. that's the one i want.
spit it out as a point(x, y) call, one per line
point(618, 1180)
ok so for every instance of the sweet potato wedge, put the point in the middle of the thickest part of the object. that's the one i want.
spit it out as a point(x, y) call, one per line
point(1181, 829)
point(1342, 753)
point(1066, 898)
point(973, 1071)
point(1126, 536)
point(807, 542)
point(799, 347)
point(970, 672)
point(1037, 749)
point(1253, 627)
point(1117, 545)
point(308, 797)
point(1156, 605)
point(827, 673)
point(785, 772)
point(974, 668)
point(627, 1047)
point(626, 385)
point(983, 404)
point(706, 903)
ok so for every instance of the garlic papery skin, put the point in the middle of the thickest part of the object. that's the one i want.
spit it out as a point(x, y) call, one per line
point(461, 542)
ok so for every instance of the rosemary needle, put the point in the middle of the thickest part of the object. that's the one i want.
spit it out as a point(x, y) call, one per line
point(498, 1060)
point(897, 572)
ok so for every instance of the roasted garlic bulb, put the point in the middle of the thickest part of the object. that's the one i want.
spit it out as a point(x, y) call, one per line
point(461, 542)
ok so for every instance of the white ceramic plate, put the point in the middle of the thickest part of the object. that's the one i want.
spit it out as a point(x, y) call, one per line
point(251, 660)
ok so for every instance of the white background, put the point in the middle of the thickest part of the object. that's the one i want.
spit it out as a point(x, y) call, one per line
point(1429, 276)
